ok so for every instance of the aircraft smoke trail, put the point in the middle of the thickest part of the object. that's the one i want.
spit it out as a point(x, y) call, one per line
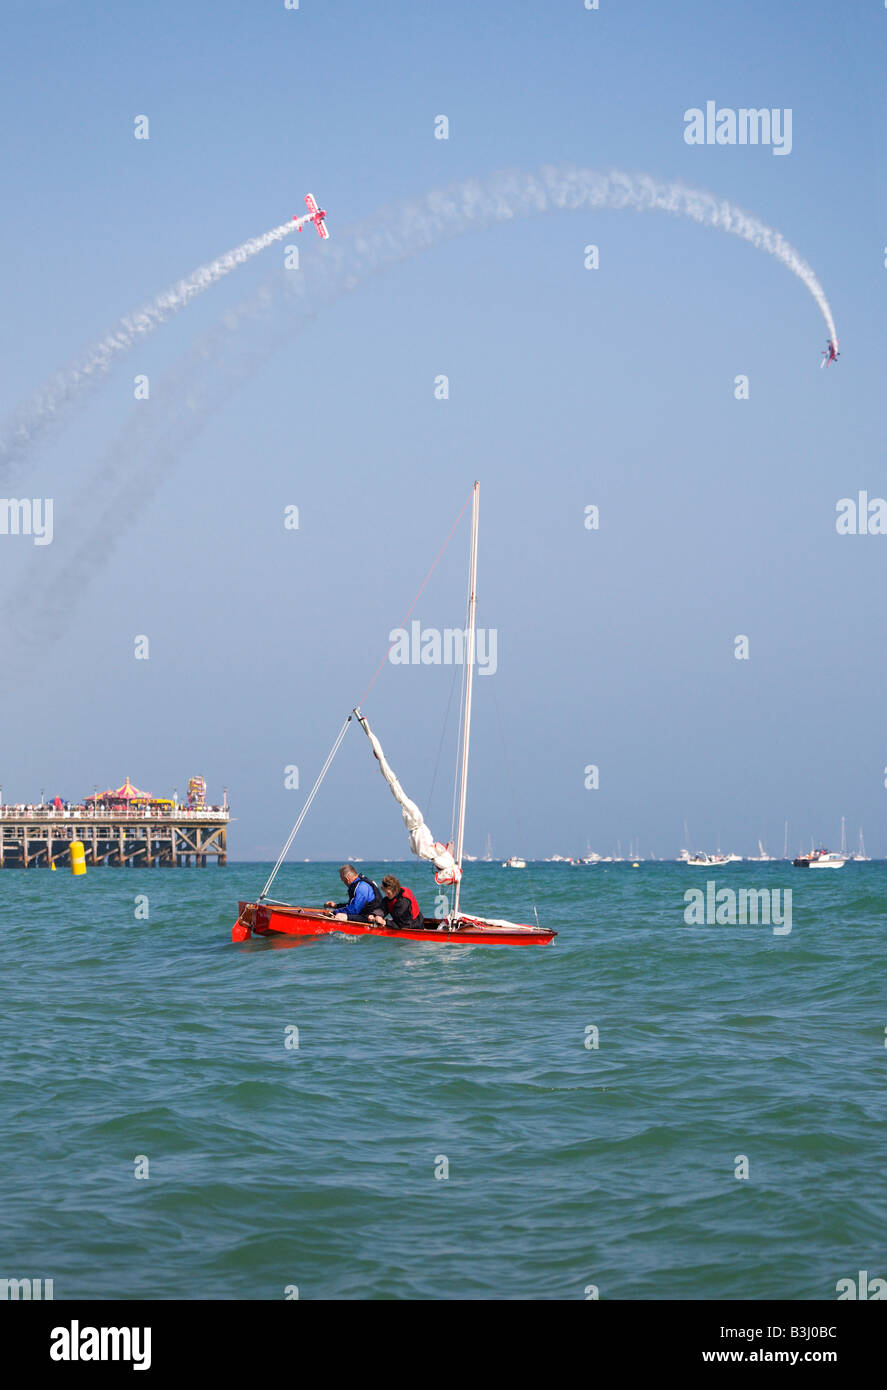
point(225, 358)
point(403, 231)
point(509, 196)
point(49, 405)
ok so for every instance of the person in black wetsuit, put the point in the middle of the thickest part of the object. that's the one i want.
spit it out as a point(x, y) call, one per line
point(400, 905)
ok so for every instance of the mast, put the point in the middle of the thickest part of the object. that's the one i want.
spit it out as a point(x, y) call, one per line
point(469, 686)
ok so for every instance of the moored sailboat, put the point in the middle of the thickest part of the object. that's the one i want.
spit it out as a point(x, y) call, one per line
point(266, 916)
point(762, 857)
point(860, 857)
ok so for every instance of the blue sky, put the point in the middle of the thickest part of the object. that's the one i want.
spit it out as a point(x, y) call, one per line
point(568, 387)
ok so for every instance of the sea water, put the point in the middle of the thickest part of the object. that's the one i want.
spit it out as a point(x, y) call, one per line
point(644, 1109)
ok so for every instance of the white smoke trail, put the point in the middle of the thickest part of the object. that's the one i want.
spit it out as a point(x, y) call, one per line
point(399, 232)
point(509, 196)
point(151, 446)
point(52, 401)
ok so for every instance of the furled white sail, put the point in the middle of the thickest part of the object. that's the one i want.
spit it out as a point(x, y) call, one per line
point(422, 842)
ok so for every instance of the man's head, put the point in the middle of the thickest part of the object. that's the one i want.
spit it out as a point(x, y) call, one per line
point(347, 873)
point(390, 886)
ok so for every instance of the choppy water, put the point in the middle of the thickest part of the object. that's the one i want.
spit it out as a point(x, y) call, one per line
point(569, 1166)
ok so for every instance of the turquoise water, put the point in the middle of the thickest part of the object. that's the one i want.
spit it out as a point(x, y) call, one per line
point(271, 1166)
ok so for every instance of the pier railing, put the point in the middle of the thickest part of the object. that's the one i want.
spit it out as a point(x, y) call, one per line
point(37, 836)
point(101, 813)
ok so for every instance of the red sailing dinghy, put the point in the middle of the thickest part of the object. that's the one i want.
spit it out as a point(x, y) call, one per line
point(265, 917)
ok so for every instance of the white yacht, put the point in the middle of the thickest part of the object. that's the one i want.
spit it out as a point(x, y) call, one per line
point(819, 859)
point(827, 859)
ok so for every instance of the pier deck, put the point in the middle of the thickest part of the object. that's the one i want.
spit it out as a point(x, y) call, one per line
point(35, 838)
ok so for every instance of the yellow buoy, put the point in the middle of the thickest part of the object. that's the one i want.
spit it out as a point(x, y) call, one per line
point(52, 865)
point(78, 857)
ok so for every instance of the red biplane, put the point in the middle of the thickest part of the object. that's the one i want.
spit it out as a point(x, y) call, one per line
point(315, 215)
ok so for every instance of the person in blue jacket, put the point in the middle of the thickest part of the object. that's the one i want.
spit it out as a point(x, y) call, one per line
point(364, 898)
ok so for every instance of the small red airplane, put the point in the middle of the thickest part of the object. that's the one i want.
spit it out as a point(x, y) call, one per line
point(830, 354)
point(315, 215)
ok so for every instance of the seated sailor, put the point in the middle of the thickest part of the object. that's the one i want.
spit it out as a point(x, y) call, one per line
point(364, 897)
point(400, 905)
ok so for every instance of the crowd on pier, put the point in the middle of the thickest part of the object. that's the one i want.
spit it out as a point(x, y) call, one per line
point(126, 801)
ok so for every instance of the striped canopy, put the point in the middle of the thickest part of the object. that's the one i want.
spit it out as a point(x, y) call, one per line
point(129, 793)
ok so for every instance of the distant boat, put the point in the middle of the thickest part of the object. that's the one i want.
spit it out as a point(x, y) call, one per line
point(861, 857)
point(488, 852)
point(762, 857)
point(515, 863)
point(827, 860)
point(819, 859)
point(706, 861)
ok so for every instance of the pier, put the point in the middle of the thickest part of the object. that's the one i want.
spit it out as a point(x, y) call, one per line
point(119, 828)
point(37, 838)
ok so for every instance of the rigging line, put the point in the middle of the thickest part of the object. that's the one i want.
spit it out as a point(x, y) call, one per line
point(441, 890)
point(416, 599)
point(304, 811)
point(517, 818)
point(460, 732)
point(443, 732)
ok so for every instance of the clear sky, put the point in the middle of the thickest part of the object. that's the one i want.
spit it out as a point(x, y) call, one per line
point(568, 387)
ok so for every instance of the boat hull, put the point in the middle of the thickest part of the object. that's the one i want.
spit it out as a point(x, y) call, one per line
point(281, 919)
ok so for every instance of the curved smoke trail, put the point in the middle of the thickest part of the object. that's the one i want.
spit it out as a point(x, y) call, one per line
point(410, 228)
point(49, 405)
point(225, 358)
point(508, 196)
